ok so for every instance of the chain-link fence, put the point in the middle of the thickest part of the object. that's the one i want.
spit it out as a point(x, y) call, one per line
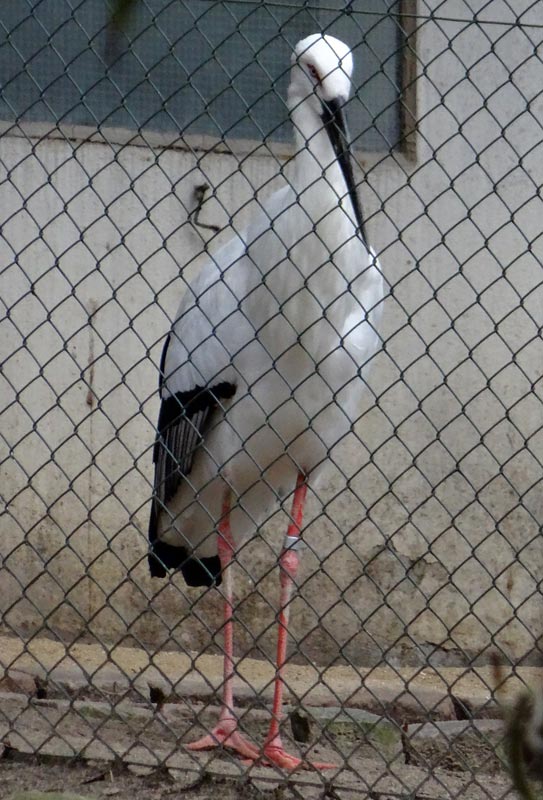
point(129, 160)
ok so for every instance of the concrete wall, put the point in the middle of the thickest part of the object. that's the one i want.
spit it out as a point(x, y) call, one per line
point(432, 551)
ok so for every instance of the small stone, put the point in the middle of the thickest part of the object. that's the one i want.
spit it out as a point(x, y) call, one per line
point(140, 770)
point(91, 762)
point(266, 787)
point(185, 780)
point(14, 680)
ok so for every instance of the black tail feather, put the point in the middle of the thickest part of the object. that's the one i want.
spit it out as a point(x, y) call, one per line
point(196, 571)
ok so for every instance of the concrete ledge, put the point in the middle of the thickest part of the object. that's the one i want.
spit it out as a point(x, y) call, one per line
point(349, 725)
point(407, 693)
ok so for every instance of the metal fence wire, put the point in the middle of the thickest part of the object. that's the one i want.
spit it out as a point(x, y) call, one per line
point(135, 159)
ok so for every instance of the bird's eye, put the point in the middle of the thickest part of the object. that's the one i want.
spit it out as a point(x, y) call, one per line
point(313, 72)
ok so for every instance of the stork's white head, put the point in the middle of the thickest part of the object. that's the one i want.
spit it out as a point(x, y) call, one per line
point(321, 67)
point(320, 85)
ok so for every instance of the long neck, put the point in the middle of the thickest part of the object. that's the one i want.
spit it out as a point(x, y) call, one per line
point(315, 159)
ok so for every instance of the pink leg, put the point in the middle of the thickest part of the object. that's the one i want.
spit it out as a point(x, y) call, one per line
point(226, 732)
point(274, 751)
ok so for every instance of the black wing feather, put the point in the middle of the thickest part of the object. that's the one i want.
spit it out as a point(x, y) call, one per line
point(182, 422)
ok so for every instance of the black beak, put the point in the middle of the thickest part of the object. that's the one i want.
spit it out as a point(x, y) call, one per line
point(334, 122)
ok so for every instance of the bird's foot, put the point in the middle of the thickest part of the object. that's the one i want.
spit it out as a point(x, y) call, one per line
point(226, 734)
point(274, 754)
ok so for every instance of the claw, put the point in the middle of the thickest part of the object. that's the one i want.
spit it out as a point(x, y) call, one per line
point(226, 734)
point(279, 757)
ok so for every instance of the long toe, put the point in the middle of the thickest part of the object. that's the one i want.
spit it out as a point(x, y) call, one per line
point(225, 734)
point(279, 757)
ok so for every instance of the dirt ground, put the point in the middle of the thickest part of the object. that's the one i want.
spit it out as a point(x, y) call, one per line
point(96, 781)
point(120, 732)
point(96, 750)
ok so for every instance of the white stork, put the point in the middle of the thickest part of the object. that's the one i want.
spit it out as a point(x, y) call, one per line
point(263, 371)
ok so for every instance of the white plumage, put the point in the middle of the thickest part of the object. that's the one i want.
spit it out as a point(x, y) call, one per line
point(288, 314)
point(263, 372)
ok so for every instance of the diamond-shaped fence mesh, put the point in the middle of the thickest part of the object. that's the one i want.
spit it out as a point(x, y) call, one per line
point(139, 170)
